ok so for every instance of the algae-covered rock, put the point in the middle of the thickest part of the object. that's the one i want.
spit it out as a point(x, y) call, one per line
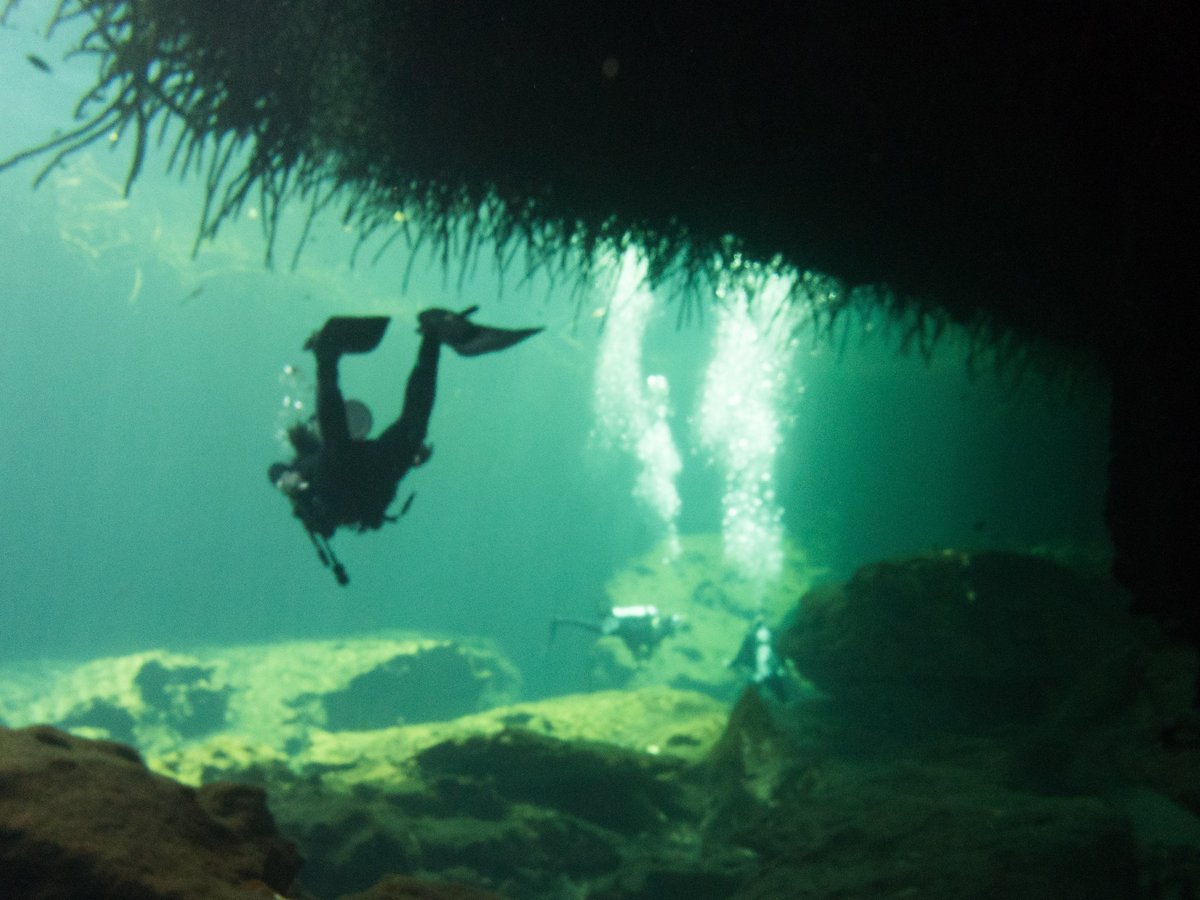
point(775, 808)
point(1077, 694)
point(657, 721)
point(218, 756)
point(535, 800)
point(717, 605)
point(923, 831)
point(828, 814)
point(599, 783)
point(975, 641)
point(657, 792)
point(150, 698)
point(268, 696)
point(83, 818)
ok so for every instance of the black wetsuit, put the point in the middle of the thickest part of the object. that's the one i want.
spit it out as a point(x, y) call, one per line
point(338, 480)
point(351, 481)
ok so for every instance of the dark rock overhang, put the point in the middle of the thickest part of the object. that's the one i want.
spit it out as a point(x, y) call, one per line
point(983, 163)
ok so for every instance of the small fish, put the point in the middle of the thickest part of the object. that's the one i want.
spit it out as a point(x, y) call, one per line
point(407, 504)
point(38, 63)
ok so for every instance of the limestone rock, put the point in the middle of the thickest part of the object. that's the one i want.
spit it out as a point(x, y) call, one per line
point(970, 641)
point(535, 800)
point(260, 699)
point(83, 818)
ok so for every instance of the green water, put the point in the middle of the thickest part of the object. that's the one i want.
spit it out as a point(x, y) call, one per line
point(141, 393)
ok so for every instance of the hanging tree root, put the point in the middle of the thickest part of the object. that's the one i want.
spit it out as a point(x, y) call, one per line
point(430, 125)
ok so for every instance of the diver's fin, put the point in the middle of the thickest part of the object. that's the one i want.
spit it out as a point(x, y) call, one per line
point(484, 339)
point(465, 337)
point(348, 334)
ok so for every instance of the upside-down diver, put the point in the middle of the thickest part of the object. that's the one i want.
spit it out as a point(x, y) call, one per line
point(340, 478)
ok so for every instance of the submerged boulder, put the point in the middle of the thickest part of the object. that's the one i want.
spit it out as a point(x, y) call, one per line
point(1042, 661)
point(970, 641)
point(935, 822)
point(609, 786)
point(82, 818)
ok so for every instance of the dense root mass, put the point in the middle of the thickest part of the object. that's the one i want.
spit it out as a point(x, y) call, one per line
point(956, 157)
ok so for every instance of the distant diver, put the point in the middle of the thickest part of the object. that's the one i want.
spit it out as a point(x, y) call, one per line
point(640, 628)
point(757, 656)
point(341, 478)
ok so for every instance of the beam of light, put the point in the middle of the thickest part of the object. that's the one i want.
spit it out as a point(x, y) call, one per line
point(743, 408)
point(632, 408)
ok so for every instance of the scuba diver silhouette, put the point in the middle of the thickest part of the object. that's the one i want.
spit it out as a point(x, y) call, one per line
point(340, 478)
point(758, 657)
point(641, 628)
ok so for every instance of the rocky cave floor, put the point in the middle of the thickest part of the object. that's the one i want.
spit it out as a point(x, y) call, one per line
point(987, 725)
